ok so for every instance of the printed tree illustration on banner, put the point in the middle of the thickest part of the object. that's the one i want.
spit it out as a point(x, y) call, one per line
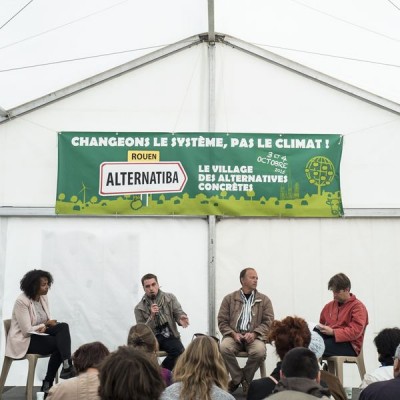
point(320, 172)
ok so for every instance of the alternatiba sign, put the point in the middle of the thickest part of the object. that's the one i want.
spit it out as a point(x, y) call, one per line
point(132, 178)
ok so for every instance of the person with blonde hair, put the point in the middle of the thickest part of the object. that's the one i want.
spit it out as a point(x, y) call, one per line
point(200, 373)
point(141, 337)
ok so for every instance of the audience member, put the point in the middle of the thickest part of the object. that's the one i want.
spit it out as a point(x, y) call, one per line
point(285, 335)
point(343, 320)
point(30, 318)
point(129, 374)
point(162, 312)
point(386, 343)
point(385, 390)
point(317, 344)
point(86, 385)
point(327, 379)
point(141, 337)
point(300, 376)
point(244, 319)
point(200, 373)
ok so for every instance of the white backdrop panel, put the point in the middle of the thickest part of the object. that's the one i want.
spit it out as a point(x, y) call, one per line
point(295, 258)
point(97, 264)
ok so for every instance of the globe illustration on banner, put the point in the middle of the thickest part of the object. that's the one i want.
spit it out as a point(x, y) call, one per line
point(320, 172)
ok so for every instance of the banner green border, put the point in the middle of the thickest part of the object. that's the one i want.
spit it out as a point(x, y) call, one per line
point(236, 174)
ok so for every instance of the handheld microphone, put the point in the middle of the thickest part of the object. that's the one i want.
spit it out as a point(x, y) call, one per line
point(153, 298)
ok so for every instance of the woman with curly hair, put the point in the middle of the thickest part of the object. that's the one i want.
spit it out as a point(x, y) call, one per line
point(141, 337)
point(287, 334)
point(33, 331)
point(200, 373)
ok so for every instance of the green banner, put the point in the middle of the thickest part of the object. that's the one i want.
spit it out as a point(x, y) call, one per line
point(243, 174)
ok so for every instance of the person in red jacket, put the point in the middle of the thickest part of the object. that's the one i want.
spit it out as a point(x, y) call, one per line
point(343, 321)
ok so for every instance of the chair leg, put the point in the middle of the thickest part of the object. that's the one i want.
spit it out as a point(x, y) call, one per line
point(31, 376)
point(339, 370)
point(4, 372)
point(331, 367)
point(361, 368)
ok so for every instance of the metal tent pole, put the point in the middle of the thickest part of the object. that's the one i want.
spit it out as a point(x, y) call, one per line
point(211, 128)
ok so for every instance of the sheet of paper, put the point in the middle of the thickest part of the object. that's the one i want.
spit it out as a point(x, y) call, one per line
point(38, 333)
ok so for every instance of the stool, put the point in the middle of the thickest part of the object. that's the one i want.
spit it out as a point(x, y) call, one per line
point(32, 360)
point(335, 364)
point(244, 354)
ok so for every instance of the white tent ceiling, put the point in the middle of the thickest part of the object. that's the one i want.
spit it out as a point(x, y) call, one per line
point(357, 42)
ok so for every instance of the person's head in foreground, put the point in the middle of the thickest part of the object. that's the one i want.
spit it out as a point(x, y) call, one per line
point(129, 374)
point(289, 333)
point(141, 337)
point(300, 375)
point(396, 365)
point(89, 355)
point(386, 343)
point(300, 363)
point(199, 368)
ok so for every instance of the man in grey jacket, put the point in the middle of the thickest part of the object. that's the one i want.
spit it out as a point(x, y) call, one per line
point(162, 312)
point(244, 319)
point(300, 377)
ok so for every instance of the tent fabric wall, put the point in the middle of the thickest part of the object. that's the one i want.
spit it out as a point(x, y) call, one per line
point(294, 258)
point(97, 264)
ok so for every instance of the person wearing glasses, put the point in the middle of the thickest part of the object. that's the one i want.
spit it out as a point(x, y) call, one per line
point(343, 320)
point(244, 319)
point(162, 312)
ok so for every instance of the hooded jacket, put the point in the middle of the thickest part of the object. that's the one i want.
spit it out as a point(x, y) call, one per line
point(348, 321)
point(303, 388)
